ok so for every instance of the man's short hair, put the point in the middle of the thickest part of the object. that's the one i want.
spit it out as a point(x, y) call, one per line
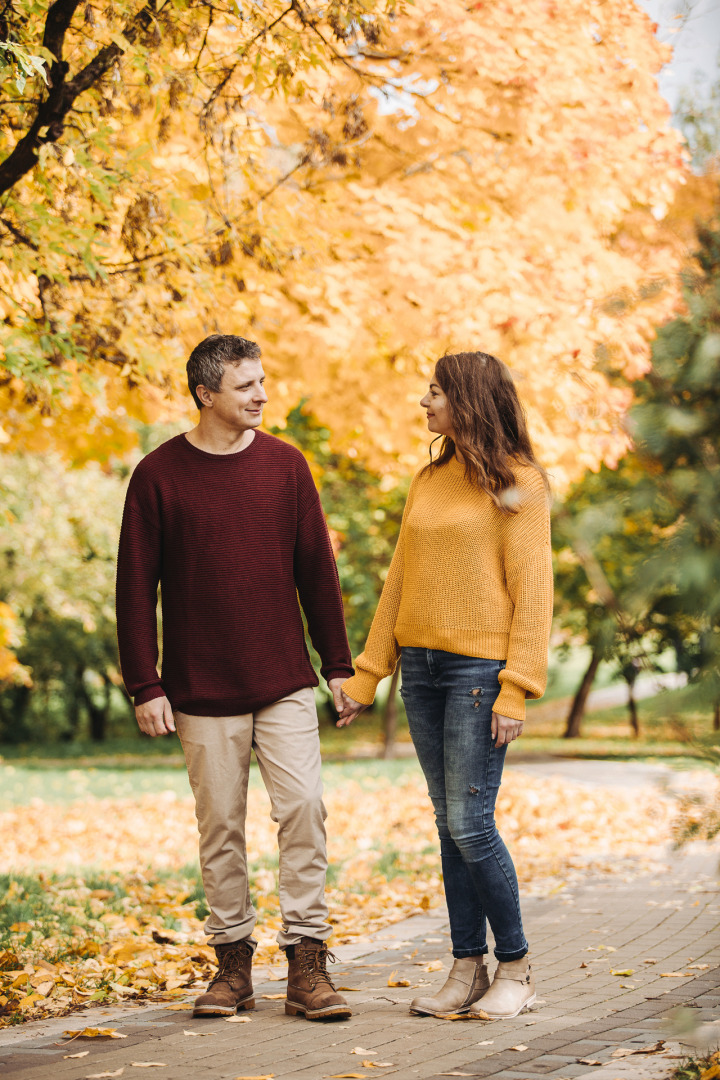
point(208, 360)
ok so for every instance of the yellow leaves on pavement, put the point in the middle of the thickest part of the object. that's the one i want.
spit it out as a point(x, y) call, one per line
point(94, 1033)
point(123, 949)
point(520, 1047)
point(676, 974)
point(434, 965)
point(623, 971)
point(237, 1019)
point(265, 1076)
point(102, 1075)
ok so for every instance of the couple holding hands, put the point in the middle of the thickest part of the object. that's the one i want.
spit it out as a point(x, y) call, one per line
point(227, 520)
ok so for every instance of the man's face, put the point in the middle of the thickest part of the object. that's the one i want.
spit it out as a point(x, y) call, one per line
point(239, 402)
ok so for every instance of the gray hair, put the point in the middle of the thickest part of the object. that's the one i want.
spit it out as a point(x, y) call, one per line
point(207, 362)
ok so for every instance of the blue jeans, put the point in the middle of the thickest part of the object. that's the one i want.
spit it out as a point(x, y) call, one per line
point(449, 701)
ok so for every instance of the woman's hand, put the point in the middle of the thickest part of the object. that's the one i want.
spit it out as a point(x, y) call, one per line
point(351, 710)
point(504, 729)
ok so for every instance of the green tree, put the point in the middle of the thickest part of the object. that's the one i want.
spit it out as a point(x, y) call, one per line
point(676, 428)
point(601, 542)
point(58, 542)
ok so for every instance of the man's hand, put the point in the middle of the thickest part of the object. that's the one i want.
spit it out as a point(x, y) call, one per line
point(504, 729)
point(350, 710)
point(155, 717)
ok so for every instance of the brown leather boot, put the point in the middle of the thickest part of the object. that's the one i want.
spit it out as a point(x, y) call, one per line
point(310, 991)
point(231, 989)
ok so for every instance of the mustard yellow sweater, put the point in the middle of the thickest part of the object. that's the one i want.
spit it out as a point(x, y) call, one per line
point(467, 579)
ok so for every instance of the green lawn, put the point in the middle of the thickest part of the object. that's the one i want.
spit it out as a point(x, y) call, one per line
point(675, 726)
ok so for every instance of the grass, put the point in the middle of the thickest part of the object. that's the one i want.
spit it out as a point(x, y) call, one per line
point(674, 725)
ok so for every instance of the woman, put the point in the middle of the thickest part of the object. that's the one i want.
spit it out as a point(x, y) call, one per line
point(467, 605)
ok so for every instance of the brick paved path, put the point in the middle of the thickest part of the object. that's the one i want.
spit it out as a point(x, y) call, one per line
point(584, 1013)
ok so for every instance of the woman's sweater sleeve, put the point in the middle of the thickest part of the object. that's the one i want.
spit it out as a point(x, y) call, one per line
point(528, 574)
point(381, 653)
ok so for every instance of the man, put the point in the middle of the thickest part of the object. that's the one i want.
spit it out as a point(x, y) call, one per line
point(227, 519)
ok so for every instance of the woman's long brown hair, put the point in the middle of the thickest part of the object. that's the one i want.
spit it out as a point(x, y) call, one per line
point(489, 425)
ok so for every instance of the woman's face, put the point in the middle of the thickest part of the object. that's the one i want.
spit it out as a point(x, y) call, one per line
point(438, 410)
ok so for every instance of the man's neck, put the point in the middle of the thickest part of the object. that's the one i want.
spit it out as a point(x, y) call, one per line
point(219, 439)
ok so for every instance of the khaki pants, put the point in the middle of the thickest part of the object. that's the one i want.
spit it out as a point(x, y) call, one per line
point(285, 738)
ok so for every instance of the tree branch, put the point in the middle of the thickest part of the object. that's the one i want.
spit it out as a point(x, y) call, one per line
point(61, 96)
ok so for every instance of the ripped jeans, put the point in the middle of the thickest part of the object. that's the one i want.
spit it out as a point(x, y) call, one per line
point(449, 700)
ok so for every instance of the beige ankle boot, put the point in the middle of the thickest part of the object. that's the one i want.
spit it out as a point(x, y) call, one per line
point(512, 990)
point(466, 983)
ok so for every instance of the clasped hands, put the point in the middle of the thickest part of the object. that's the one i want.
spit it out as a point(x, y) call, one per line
point(503, 729)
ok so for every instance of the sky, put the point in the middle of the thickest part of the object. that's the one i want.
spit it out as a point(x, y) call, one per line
point(695, 39)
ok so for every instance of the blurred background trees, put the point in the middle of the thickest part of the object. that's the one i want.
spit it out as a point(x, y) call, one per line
point(359, 187)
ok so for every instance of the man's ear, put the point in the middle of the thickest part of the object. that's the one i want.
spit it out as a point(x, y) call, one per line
point(205, 396)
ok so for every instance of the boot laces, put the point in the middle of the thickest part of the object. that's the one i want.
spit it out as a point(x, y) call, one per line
point(313, 963)
point(230, 963)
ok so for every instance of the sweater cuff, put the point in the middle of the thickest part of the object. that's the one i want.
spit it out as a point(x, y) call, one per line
point(338, 673)
point(361, 687)
point(510, 701)
point(149, 693)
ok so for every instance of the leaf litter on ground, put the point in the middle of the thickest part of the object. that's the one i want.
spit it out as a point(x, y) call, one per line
point(136, 935)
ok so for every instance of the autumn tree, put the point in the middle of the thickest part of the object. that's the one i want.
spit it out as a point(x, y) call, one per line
point(357, 185)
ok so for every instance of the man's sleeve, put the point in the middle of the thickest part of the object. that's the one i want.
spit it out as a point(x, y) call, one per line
point(138, 575)
point(318, 584)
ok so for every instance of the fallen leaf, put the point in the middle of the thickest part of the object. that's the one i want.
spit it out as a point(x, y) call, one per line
point(346, 989)
point(348, 1076)
point(486, 1042)
point(434, 965)
point(622, 971)
point(80, 1053)
point(392, 981)
point(627, 986)
point(278, 997)
point(180, 1005)
point(237, 1019)
point(628, 1051)
point(360, 1050)
point(367, 1064)
point(94, 1033)
point(583, 965)
point(149, 1064)
point(588, 1061)
point(199, 1034)
point(700, 967)
point(650, 960)
point(265, 1076)
point(676, 974)
point(520, 1046)
point(98, 1076)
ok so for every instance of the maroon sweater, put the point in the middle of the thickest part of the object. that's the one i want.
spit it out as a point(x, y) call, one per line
point(233, 539)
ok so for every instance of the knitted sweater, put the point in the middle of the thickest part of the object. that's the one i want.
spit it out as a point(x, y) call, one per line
point(235, 540)
point(468, 579)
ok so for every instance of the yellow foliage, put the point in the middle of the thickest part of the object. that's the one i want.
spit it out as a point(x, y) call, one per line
point(554, 831)
point(498, 177)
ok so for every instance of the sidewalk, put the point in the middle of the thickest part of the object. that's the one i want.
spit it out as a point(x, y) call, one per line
point(663, 929)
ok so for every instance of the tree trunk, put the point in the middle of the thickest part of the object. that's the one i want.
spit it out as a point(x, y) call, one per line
point(716, 716)
point(577, 710)
point(632, 706)
point(390, 716)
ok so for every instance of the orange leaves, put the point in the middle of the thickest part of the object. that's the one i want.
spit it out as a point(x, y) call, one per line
point(385, 864)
